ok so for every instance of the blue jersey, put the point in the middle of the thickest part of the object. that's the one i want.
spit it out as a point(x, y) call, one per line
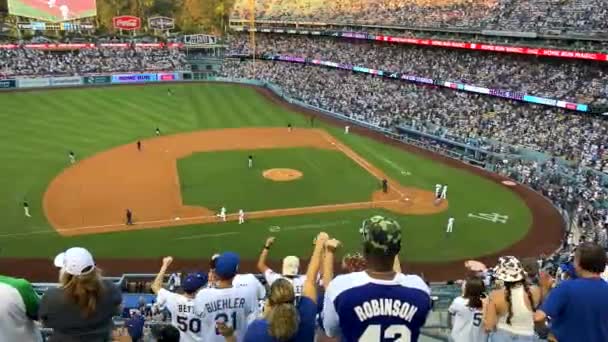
point(360, 308)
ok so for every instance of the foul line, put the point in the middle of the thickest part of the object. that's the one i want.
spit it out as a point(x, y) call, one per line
point(357, 159)
point(261, 213)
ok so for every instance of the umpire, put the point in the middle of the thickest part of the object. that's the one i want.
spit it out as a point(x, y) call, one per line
point(129, 217)
point(385, 186)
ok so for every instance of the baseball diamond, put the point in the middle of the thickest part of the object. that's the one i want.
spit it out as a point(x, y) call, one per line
point(181, 179)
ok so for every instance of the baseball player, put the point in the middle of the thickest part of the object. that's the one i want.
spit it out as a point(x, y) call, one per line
point(378, 304)
point(289, 127)
point(138, 145)
point(26, 209)
point(385, 186)
point(232, 305)
point(129, 215)
point(169, 92)
point(444, 192)
point(157, 132)
point(222, 214)
point(241, 216)
point(72, 157)
point(346, 129)
point(181, 306)
point(250, 161)
point(291, 265)
point(450, 226)
point(438, 188)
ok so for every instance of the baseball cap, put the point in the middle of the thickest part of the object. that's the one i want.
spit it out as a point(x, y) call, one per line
point(194, 281)
point(381, 235)
point(227, 265)
point(75, 261)
point(291, 265)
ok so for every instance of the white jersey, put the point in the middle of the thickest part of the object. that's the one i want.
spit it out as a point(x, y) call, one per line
point(466, 322)
point(236, 307)
point(438, 189)
point(251, 282)
point(297, 281)
point(182, 315)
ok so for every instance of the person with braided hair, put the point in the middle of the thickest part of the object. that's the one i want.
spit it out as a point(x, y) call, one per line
point(510, 310)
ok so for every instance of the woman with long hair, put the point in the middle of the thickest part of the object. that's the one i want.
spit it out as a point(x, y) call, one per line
point(284, 318)
point(82, 307)
point(467, 313)
point(510, 310)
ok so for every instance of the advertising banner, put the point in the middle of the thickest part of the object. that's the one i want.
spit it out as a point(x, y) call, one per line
point(134, 78)
point(161, 23)
point(33, 82)
point(66, 81)
point(53, 10)
point(126, 22)
point(98, 80)
point(173, 76)
point(4, 84)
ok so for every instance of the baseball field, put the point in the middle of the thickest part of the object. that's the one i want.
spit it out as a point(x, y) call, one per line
point(311, 178)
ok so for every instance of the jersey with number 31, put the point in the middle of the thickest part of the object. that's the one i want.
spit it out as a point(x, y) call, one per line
point(363, 309)
point(182, 315)
point(235, 306)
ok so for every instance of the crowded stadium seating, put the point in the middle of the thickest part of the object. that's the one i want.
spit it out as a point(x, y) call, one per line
point(580, 16)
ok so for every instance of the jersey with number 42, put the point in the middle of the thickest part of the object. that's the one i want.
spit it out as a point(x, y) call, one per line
point(182, 315)
point(363, 309)
point(236, 307)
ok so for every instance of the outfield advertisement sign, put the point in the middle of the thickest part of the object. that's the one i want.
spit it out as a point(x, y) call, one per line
point(173, 76)
point(134, 78)
point(66, 81)
point(98, 80)
point(5, 84)
point(33, 82)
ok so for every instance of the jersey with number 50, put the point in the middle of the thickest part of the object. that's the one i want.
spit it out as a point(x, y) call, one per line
point(363, 309)
point(467, 323)
point(182, 315)
point(234, 306)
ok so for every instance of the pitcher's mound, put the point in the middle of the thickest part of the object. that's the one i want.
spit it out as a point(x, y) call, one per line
point(282, 175)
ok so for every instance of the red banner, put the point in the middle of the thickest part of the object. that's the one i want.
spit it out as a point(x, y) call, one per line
point(126, 22)
point(499, 48)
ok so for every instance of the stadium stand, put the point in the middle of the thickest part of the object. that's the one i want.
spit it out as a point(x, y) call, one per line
point(579, 16)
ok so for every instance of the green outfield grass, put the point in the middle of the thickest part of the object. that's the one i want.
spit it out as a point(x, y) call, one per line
point(40, 127)
point(324, 180)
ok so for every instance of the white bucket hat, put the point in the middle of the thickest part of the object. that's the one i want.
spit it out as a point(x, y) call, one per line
point(509, 269)
point(75, 261)
point(291, 266)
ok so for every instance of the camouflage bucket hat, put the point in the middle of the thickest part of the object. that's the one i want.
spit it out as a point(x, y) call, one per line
point(381, 234)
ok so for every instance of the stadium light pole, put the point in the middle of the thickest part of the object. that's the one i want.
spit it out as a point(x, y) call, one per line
point(252, 31)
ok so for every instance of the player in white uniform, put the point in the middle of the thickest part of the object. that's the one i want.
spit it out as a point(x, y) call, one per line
point(222, 214)
point(26, 209)
point(438, 191)
point(72, 157)
point(467, 313)
point(450, 225)
point(241, 216)
point(180, 306)
point(291, 265)
point(444, 192)
point(250, 161)
point(232, 305)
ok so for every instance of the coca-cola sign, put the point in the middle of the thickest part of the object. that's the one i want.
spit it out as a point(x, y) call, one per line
point(126, 22)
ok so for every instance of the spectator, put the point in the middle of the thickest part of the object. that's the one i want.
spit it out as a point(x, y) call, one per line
point(578, 308)
point(284, 319)
point(180, 306)
point(467, 313)
point(82, 307)
point(353, 263)
point(135, 326)
point(349, 300)
point(18, 311)
point(290, 272)
point(509, 313)
point(166, 333)
point(231, 304)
